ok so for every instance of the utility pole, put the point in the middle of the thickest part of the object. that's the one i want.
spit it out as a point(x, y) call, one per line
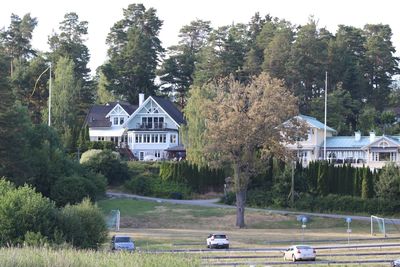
point(326, 99)
point(292, 186)
point(50, 97)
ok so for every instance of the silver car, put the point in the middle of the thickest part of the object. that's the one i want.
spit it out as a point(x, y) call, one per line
point(300, 252)
point(396, 263)
point(122, 242)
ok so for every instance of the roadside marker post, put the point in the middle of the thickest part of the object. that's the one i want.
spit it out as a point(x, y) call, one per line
point(303, 226)
point(348, 221)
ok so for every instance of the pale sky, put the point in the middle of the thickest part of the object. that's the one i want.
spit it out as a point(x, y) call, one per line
point(101, 15)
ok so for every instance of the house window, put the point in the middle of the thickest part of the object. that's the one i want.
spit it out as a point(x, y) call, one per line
point(157, 154)
point(153, 122)
point(100, 138)
point(156, 138)
point(163, 138)
point(147, 122)
point(153, 138)
point(116, 121)
point(121, 120)
point(173, 139)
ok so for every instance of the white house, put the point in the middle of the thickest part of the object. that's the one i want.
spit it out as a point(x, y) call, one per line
point(106, 122)
point(150, 131)
point(373, 151)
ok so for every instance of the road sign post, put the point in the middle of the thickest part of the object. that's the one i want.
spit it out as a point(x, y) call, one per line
point(348, 221)
point(303, 226)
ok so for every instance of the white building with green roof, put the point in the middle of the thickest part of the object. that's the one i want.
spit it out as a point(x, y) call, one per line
point(373, 151)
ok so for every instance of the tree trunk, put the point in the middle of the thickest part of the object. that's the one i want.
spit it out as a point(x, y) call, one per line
point(240, 203)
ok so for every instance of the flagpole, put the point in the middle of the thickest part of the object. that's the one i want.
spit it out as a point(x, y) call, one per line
point(326, 98)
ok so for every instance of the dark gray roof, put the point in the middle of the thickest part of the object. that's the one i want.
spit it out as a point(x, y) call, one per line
point(176, 148)
point(97, 113)
point(170, 108)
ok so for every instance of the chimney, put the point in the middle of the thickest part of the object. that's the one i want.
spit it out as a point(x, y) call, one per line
point(141, 99)
point(357, 136)
point(372, 136)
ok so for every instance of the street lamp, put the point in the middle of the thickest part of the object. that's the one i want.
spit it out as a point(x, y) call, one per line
point(34, 88)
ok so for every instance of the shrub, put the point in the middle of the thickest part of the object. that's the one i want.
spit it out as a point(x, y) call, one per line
point(72, 189)
point(149, 184)
point(83, 225)
point(32, 239)
point(108, 145)
point(259, 198)
point(23, 210)
point(388, 185)
point(140, 185)
point(108, 164)
point(229, 198)
point(140, 167)
point(86, 156)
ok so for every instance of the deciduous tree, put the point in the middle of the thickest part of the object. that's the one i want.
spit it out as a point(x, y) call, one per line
point(245, 124)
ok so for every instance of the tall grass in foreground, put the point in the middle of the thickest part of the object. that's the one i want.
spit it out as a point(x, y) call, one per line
point(44, 257)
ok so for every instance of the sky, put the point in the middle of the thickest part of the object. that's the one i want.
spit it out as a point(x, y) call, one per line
point(101, 16)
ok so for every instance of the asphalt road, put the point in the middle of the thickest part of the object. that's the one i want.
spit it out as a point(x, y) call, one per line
point(213, 203)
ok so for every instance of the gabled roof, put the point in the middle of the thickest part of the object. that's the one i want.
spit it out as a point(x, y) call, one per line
point(170, 108)
point(394, 140)
point(97, 113)
point(167, 106)
point(315, 123)
point(349, 142)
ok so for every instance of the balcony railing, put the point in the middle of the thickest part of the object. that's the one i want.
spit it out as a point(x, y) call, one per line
point(148, 126)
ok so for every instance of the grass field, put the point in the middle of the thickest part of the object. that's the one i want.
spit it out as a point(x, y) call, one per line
point(158, 227)
point(169, 226)
point(43, 257)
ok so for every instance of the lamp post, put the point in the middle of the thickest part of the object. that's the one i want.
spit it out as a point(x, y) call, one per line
point(34, 88)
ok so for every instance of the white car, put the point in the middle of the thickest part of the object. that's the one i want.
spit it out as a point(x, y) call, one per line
point(396, 263)
point(300, 252)
point(217, 241)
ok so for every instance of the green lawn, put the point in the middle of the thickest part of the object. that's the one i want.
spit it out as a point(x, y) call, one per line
point(145, 214)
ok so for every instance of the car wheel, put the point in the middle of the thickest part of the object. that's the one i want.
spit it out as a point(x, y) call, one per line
point(293, 258)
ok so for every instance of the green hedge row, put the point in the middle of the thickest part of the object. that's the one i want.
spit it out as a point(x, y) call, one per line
point(145, 180)
point(199, 179)
point(322, 204)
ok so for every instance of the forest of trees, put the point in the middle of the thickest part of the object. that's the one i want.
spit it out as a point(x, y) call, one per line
point(360, 62)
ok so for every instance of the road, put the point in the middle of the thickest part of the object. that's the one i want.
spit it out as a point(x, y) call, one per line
point(213, 204)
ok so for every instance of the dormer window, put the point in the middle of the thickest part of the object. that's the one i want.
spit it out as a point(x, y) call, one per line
point(115, 121)
point(121, 120)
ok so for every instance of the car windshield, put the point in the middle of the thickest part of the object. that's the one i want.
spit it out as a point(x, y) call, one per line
point(220, 236)
point(123, 239)
point(303, 247)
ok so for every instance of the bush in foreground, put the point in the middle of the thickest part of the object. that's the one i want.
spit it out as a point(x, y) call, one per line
point(83, 225)
point(23, 210)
